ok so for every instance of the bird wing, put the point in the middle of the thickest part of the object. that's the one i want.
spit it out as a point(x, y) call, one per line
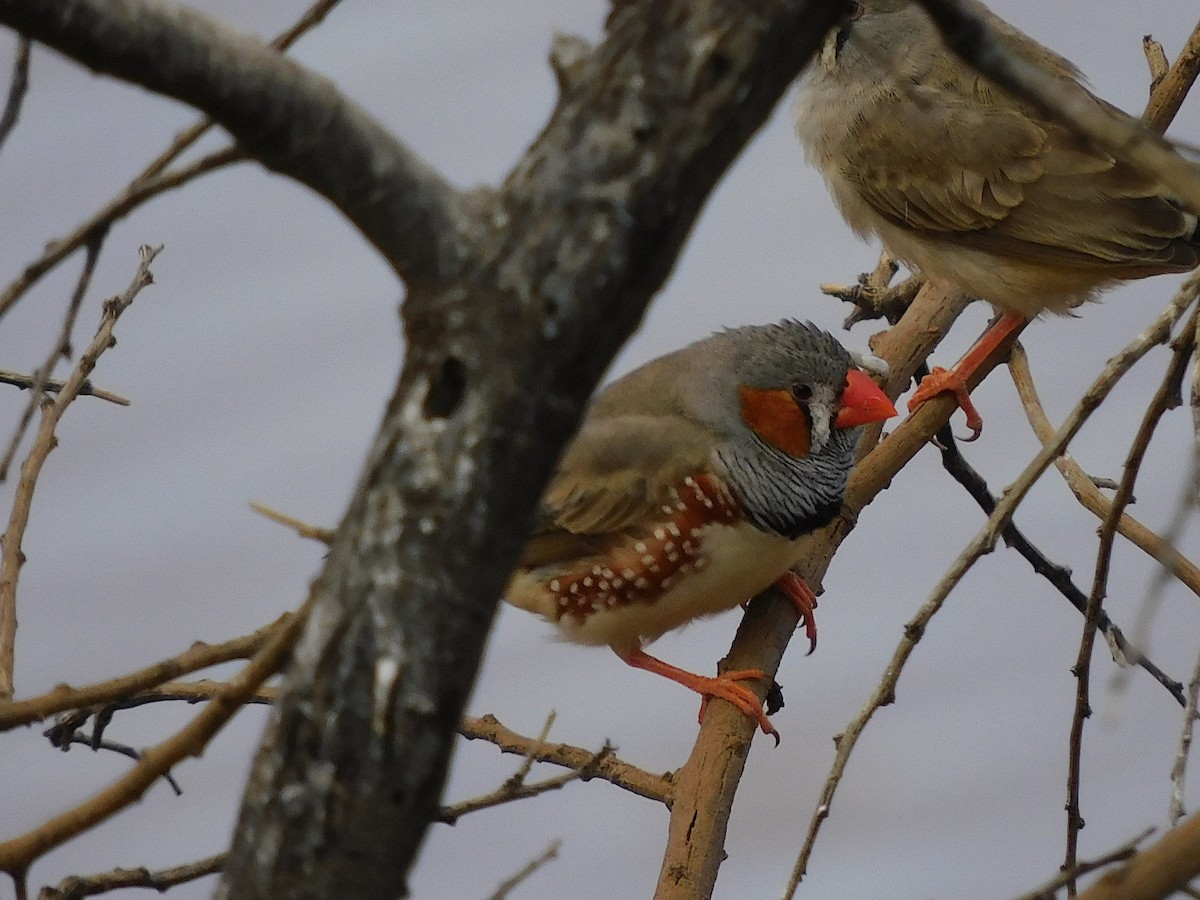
point(618, 473)
point(1004, 182)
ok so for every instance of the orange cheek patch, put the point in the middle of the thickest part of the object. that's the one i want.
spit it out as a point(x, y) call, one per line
point(777, 419)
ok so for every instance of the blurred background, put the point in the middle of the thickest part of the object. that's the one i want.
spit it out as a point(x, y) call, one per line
point(259, 364)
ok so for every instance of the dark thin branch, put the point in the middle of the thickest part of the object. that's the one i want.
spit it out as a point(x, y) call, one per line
point(64, 741)
point(25, 382)
point(18, 85)
point(1058, 576)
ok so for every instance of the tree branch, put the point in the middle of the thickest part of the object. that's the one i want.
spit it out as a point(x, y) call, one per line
point(11, 556)
point(288, 118)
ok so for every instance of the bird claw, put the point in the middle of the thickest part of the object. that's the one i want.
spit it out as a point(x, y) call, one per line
point(797, 590)
point(726, 687)
point(940, 381)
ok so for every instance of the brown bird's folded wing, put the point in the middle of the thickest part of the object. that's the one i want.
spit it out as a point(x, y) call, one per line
point(616, 475)
point(1005, 183)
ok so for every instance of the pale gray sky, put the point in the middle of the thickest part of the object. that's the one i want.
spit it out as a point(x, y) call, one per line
point(259, 365)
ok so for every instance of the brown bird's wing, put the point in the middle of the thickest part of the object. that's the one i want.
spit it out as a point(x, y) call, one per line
point(617, 474)
point(1004, 182)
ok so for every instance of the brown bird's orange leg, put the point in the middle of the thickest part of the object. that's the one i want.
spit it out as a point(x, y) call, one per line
point(955, 380)
point(805, 602)
point(724, 686)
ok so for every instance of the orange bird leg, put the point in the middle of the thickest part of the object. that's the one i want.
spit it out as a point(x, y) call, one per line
point(724, 686)
point(805, 602)
point(955, 380)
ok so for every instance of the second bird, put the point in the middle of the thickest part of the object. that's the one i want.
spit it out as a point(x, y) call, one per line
point(972, 186)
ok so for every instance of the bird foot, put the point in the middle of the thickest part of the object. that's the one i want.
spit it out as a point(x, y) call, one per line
point(941, 380)
point(805, 601)
point(726, 687)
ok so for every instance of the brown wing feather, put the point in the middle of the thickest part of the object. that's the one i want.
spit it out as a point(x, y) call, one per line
point(617, 474)
point(1012, 182)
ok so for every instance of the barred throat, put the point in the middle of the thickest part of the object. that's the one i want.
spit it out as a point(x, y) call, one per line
point(788, 495)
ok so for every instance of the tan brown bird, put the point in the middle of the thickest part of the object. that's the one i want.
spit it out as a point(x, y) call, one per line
point(687, 486)
point(971, 186)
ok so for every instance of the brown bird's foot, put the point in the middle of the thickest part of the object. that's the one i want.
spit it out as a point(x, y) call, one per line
point(956, 380)
point(724, 686)
point(805, 601)
point(940, 381)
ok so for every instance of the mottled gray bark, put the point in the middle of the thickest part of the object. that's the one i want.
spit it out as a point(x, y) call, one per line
point(517, 299)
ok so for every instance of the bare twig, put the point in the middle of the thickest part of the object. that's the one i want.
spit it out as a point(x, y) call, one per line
point(608, 767)
point(1167, 390)
point(25, 382)
point(16, 854)
point(1058, 576)
point(1168, 92)
point(1157, 871)
point(506, 887)
point(77, 887)
point(62, 349)
point(515, 788)
point(151, 181)
point(1085, 488)
point(884, 693)
point(11, 557)
point(18, 85)
point(65, 741)
point(1124, 852)
point(302, 528)
point(1156, 60)
point(1176, 811)
point(14, 713)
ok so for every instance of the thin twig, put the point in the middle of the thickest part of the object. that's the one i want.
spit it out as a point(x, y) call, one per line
point(516, 789)
point(62, 349)
point(151, 181)
point(18, 86)
point(1168, 93)
point(985, 541)
point(1058, 576)
point(65, 742)
point(1175, 811)
point(1050, 888)
point(18, 853)
point(1167, 390)
point(609, 767)
point(548, 855)
point(11, 556)
point(76, 887)
point(302, 528)
point(1085, 489)
point(200, 655)
point(25, 382)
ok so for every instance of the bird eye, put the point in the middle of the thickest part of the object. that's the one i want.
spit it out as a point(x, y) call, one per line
point(802, 393)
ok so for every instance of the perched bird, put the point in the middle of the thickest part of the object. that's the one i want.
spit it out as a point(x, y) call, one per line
point(686, 487)
point(972, 186)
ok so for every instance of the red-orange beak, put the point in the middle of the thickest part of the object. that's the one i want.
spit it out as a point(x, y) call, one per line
point(863, 402)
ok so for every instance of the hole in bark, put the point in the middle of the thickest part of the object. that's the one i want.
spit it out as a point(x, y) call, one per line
point(446, 391)
point(718, 67)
